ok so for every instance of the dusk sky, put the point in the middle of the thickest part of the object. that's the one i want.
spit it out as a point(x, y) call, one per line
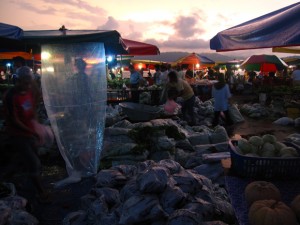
point(181, 25)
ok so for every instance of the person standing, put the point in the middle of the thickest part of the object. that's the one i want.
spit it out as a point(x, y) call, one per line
point(185, 91)
point(164, 74)
point(136, 80)
point(37, 77)
point(157, 75)
point(180, 72)
point(296, 76)
point(221, 95)
point(20, 118)
point(19, 61)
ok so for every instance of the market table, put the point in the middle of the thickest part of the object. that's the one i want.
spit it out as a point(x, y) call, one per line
point(120, 95)
point(202, 88)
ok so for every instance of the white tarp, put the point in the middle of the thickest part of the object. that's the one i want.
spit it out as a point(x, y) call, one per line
point(74, 91)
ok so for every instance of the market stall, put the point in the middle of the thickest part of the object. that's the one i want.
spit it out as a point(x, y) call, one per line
point(202, 88)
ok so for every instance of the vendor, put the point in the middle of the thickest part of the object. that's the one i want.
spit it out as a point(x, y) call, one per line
point(136, 80)
point(185, 91)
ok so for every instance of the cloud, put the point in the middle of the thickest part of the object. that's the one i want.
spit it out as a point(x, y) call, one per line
point(190, 44)
point(82, 5)
point(111, 24)
point(30, 7)
point(152, 41)
point(187, 26)
point(136, 36)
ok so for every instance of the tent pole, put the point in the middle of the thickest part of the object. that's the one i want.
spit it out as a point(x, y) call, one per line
point(121, 68)
point(193, 71)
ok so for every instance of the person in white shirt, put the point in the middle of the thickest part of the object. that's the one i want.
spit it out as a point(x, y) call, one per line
point(180, 72)
point(164, 74)
point(296, 76)
point(157, 75)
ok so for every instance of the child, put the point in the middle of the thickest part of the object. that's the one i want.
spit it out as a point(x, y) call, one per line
point(20, 112)
point(171, 107)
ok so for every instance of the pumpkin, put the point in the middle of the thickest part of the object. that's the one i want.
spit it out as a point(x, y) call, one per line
point(261, 190)
point(271, 212)
point(295, 205)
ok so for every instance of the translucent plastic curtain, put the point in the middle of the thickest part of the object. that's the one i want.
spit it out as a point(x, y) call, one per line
point(75, 92)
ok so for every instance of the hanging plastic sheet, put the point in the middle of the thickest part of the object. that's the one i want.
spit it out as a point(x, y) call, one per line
point(74, 91)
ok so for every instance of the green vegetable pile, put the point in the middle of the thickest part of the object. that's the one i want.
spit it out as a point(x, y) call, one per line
point(265, 146)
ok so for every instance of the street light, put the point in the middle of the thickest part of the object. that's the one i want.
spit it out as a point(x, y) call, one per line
point(8, 65)
point(109, 58)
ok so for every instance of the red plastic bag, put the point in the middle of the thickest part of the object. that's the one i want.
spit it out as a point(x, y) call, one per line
point(171, 107)
point(45, 133)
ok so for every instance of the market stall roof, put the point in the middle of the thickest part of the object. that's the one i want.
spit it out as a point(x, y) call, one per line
point(146, 61)
point(290, 49)
point(110, 38)
point(10, 36)
point(291, 60)
point(139, 48)
point(194, 58)
point(276, 29)
point(11, 55)
point(10, 31)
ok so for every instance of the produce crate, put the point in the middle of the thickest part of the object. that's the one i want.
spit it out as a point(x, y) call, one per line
point(263, 167)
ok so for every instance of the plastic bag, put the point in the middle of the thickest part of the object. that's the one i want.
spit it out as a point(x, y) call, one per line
point(235, 114)
point(284, 121)
point(171, 107)
point(46, 136)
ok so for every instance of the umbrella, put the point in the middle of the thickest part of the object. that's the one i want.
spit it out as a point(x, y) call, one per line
point(194, 59)
point(191, 59)
point(276, 29)
point(139, 48)
point(263, 63)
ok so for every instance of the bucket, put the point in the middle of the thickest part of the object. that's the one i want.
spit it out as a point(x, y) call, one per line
point(293, 112)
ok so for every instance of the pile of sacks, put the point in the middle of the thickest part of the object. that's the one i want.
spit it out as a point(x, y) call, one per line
point(129, 143)
point(153, 193)
point(158, 175)
point(255, 110)
point(13, 208)
point(287, 121)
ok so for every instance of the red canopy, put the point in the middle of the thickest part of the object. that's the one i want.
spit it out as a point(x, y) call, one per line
point(139, 48)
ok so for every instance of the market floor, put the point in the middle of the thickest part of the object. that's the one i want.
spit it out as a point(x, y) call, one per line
point(67, 199)
point(260, 126)
point(63, 200)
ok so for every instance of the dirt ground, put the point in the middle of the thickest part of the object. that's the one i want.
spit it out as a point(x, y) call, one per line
point(259, 126)
point(67, 199)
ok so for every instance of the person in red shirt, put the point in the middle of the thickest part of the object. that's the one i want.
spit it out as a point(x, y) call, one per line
point(20, 115)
